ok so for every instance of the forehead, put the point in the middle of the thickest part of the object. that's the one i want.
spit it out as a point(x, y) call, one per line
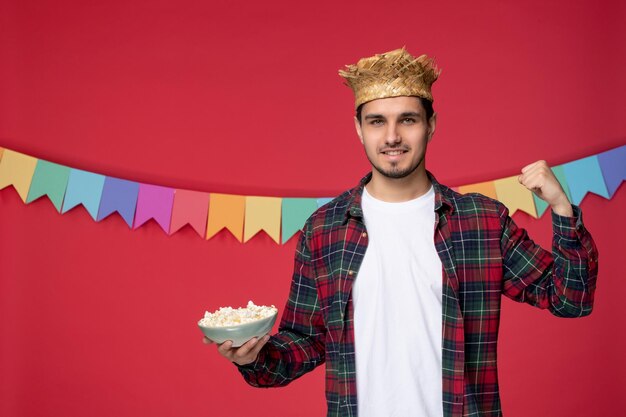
point(393, 105)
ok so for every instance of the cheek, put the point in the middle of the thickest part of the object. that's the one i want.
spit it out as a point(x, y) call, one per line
point(366, 147)
point(372, 137)
point(369, 144)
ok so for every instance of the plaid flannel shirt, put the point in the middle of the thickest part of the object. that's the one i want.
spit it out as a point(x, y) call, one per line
point(483, 254)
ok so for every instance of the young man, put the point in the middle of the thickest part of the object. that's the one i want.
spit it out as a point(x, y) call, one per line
point(397, 282)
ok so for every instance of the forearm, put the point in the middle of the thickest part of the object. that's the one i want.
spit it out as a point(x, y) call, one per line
point(562, 281)
point(575, 266)
point(285, 357)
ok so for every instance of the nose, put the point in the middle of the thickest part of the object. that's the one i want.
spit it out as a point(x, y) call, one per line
point(392, 135)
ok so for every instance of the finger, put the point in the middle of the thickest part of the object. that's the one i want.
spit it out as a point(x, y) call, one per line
point(529, 166)
point(246, 347)
point(224, 348)
point(539, 168)
point(257, 348)
point(207, 341)
point(537, 164)
point(533, 181)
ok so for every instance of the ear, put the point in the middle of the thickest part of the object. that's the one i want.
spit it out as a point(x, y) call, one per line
point(432, 124)
point(359, 132)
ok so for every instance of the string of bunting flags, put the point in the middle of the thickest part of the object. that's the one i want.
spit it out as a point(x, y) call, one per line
point(245, 216)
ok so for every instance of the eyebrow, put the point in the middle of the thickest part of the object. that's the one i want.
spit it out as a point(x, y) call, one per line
point(402, 115)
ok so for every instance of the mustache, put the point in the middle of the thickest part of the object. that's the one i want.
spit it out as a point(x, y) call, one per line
point(397, 148)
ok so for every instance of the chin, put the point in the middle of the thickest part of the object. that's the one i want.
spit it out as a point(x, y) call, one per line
point(396, 174)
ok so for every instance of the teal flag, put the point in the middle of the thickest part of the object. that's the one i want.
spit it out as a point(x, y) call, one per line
point(295, 211)
point(49, 179)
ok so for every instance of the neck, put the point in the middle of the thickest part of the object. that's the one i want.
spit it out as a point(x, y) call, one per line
point(396, 190)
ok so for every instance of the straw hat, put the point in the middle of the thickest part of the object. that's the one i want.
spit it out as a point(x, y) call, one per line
point(391, 74)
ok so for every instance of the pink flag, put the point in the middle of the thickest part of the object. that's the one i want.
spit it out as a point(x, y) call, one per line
point(154, 202)
point(190, 207)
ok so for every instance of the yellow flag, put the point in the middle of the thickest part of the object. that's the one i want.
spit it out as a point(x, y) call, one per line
point(226, 211)
point(485, 188)
point(515, 196)
point(17, 169)
point(263, 213)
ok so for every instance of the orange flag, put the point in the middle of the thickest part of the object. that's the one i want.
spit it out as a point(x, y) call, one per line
point(226, 211)
point(486, 188)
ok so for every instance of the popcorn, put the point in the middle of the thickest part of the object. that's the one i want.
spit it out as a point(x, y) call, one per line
point(228, 316)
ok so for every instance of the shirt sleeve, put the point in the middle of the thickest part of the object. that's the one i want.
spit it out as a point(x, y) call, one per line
point(299, 345)
point(563, 281)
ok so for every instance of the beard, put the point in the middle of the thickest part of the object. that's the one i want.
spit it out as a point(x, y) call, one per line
point(395, 171)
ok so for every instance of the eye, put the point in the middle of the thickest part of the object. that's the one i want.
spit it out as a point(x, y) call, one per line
point(408, 120)
point(376, 122)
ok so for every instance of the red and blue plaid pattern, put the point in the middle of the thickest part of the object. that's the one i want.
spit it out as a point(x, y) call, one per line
point(484, 255)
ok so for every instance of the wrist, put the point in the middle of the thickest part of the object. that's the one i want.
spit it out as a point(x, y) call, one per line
point(563, 209)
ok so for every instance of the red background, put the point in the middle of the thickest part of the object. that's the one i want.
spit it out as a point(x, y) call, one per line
point(99, 320)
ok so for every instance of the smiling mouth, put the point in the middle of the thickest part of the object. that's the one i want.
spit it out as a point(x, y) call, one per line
point(393, 153)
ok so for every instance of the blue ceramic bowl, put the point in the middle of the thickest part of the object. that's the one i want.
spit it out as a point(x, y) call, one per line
point(241, 333)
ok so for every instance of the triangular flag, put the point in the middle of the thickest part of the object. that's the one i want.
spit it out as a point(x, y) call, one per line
point(226, 211)
point(323, 200)
point(514, 195)
point(121, 196)
point(486, 188)
point(262, 213)
point(154, 202)
point(190, 207)
point(613, 166)
point(84, 188)
point(558, 172)
point(17, 169)
point(49, 179)
point(540, 205)
point(295, 213)
point(584, 175)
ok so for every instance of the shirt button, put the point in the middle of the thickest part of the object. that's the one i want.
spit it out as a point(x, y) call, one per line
point(350, 272)
point(364, 234)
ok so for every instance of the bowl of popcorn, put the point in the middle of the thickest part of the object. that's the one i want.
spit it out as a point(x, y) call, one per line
point(238, 324)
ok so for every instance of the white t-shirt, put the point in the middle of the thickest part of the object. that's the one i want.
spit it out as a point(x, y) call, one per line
point(397, 311)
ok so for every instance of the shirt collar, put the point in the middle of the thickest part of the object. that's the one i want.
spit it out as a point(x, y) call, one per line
point(443, 200)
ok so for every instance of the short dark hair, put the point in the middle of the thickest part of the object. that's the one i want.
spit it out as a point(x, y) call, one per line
point(428, 106)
